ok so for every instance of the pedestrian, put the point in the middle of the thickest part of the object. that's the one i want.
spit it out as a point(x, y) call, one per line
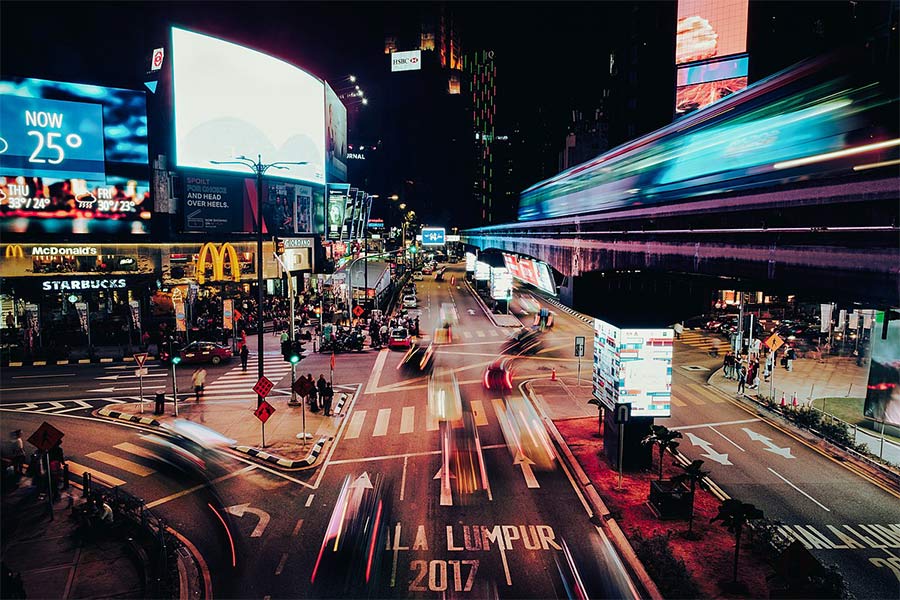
point(198, 380)
point(326, 399)
point(728, 364)
point(145, 340)
point(313, 393)
point(789, 358)
point(679, 329)
point(18, 452)
point(322, 385)
point(245, 356)
point(416, 325)
point(742, 378)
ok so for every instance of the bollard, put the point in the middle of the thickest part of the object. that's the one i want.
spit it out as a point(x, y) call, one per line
point(160, 402)
point(553, 375)
point(86, 485)
point(66, 476)
point(794, 399)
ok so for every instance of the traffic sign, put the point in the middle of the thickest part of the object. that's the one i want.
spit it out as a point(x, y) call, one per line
point(263, 386)
point(358, 310)
point(301, 386)
point(140, 358)
point(45, 437)
point(579, 345)
point(141, 372)
point(622, 413)
point(433, 236)
point(264, 411)
point(774, 342)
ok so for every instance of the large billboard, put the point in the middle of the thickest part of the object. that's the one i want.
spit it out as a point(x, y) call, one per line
point(710, 36)
point(410, 60)
point(633, 365)
point(883, 390)
point(232, 101)
point(335, 137)
point(73, 159)
point(336, 207)
point(532, 272)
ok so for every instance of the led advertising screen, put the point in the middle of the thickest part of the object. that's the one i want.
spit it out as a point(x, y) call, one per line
point(482, 271)
point(883, 389)
point(501, 283)
point(694, 97)
point(73, 159)
point(470, 262)
point(335, 137)
point(729, 68)
point(532, 272)
point(633, 365)
point(338, 193)
point(232, 101)
point(710, 29)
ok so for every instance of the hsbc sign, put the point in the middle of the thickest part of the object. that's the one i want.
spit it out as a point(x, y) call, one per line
point(406, 61)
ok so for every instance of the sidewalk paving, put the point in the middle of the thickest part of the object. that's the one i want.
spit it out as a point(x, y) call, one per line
point(56, 562)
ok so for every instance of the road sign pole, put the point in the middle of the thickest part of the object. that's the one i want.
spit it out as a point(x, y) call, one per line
point(263, 434)
point(141, 384)
point(579, 372)
point(175, 388)
point(621, 451)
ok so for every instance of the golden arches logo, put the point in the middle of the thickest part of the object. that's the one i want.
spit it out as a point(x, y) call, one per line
point(218, 262)
point(14, 251)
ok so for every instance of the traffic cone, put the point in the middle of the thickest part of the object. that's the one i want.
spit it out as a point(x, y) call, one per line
point(553, 375)
point(783, 401)
point(794, 399)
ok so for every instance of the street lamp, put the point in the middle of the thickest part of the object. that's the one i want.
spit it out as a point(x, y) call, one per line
point(260, 169)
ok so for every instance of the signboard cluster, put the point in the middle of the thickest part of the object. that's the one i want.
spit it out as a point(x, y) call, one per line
point(633, 366)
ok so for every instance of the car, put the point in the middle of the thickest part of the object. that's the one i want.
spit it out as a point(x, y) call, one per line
point(200, 352)
point(399, 338)
point(410, 301)
point(418, 358)
point(427, 270)
point(524, 342)
point(498, 376)
point(417, 276)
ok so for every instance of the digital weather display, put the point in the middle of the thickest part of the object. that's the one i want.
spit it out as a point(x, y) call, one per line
point(73, 159)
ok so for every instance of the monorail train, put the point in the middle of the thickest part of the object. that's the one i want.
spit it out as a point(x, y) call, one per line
point(821, 118)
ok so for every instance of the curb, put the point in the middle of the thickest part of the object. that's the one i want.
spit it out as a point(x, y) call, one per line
point(598, 507)
point(113, 414)
point(580, 316)
point(282, 462)
point(483, 306)
point(74, 361)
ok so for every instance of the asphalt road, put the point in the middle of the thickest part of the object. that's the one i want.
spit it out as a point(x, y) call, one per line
point(435, 525)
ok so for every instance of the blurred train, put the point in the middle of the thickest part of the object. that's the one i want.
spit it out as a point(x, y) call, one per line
point(820, 119)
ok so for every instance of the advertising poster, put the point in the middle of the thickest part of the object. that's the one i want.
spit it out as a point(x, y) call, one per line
point(303, 220)
point(336, 207)
point(180, 317)
point(33, 318)
point(470, 262)
point(883, 388)
point(228, 314)
point(73, 159)
point(690, 98)
point(501, 283)
point(82, 309)
point(279, 114)
point(135, 313)
point(213, 203)
point(606, 363)
point(279, 209)
point(335, 136)
point(710, 29)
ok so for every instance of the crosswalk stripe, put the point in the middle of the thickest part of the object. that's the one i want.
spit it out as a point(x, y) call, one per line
point(80, 470)
point(355, 426)
point(408, 419)
point(480, 333)
point(431, 422)
point(135, 449)
point(120, 463)
point(478, 412)
point(381, 422)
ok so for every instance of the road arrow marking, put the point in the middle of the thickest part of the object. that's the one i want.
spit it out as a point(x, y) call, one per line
point(708, 451)
point(108, 377)
point(362, 482)
point(239, 510)
point(471, 312)
point(525, 462)
point(770, 447)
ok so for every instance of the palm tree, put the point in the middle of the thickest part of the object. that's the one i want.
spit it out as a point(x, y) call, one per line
point(734, 514)
point(692, 473)
point(663, 437)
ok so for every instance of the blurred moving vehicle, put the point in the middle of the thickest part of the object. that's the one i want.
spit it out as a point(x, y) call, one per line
point(190, 447)
point(399, 338)
point(417, 276)
point(466, 459)
point(498, 375)
point(199, 352)
point(524, 432)
point(427, 270)
point(524, 342)
point(444, 400)
point(410, 301)
point(349, 560)
point(598, 574)
point(418, 358)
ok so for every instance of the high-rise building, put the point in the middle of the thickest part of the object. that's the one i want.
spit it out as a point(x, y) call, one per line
point(480, 74)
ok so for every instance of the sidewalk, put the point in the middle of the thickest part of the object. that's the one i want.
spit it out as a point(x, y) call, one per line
point(55, 562)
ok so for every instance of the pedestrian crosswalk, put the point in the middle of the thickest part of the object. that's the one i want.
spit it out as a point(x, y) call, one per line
point(237, 384)
point(113, 466)
point(402, 420)
point(695, 339)
point(480, 334)
point(62, 407)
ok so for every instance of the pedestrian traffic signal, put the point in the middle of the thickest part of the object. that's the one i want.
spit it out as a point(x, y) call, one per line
point(176, 360)
point(296, 354)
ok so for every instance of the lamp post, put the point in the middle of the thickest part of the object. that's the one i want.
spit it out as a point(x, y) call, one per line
point(260, 169)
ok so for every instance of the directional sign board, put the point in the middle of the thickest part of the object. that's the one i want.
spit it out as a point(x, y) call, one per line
point(774, 342)
point(140, 358)
point(45, 437)
point(141, 372)
point(263, 386)
point(622, 413)
point(433, 236)
point(579, 345)
point(264, 411)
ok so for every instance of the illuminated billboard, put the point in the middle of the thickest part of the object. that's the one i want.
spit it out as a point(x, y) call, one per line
point(335, 136)
point(338, 195)
point(232, 101)
point(501, 283)
point(470, 262)
point(710, 35)
point(883, 388)
point(482, 271)
point(406, 61)
point(532, 272)
point(710, 29)
point(73, 159)
point(633, 365)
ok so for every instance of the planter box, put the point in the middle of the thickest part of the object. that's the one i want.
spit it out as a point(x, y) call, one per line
point(669, 500)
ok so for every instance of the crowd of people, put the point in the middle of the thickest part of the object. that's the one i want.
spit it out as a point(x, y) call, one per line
point(745, 369)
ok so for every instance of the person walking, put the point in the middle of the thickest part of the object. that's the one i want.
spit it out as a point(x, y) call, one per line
point(18, 452)
point(742, 378)
point(321, 385)
point(327, 397)
point(314, 398)
point(198, 380)
point(728, 364)
point(245, 356)
point(789, 356)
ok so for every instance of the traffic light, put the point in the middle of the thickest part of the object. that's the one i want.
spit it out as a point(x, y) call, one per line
point(279, 246)
point(296, 352)
point(176, 359)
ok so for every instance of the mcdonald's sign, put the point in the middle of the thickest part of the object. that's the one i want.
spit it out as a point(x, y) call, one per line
point(14, 251)
point(218, 262)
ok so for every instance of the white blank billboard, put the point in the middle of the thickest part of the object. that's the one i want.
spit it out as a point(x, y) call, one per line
point(232, 101)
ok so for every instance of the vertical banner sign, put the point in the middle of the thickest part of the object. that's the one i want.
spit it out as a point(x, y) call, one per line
point(825, 321)
point(33, 318)
point(227, 314)
point(135, 313)
point(335, 207)
point(303, 220)
point(180, 320)
point(82, 309)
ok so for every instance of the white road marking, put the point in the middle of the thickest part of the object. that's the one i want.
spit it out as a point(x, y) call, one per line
point(478, 413)
point(381, 422)
point(356, 423)
point(407, 419)
point(727, 439)
point(44, 376)
point(684, 427)
point(297, 528)
point(280, 567)
point(120, 463)
point(372, 384)
point(309, 500)
point(39, 387)
point(798, 489)
point(403, 478)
